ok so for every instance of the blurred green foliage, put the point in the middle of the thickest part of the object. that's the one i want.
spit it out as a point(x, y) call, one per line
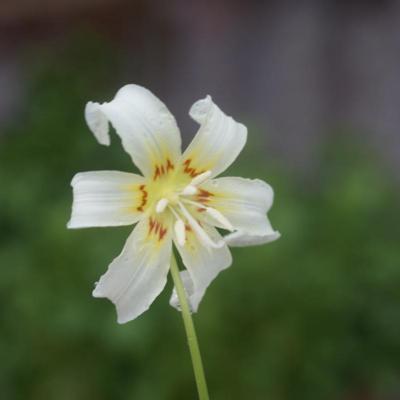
point(314, 315)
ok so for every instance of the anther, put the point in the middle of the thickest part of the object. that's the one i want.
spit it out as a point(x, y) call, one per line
point(199, 231)
point(220, 218)
point(189, 190)
point(161, 205)
point(180, 232)
point(200, 178)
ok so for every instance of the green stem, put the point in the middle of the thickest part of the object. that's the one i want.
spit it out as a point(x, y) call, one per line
point(190, 333)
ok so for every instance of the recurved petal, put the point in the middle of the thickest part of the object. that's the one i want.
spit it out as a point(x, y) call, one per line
point(203, 264)
point(148, 130)
point(244, 202)
point(217, 143)
point(138, 275)
point(106, 198)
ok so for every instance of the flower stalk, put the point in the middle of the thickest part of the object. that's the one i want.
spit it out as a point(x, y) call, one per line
point(190, 333)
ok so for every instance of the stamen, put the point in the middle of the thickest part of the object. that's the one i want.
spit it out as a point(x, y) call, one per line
point(180, 232)
point(194, 203)
point(161, 205)
point(176, 215)
point(179, 227)
point(189, 190)
point(213, 213)
point(201, 234)
point(200, 178)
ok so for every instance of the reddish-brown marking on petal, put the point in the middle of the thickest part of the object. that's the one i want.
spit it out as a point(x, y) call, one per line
point(143, 201)
point(204, 193)
point(191, 171)
point(157, 173)
point(188, 228)
point(157, 228)
point(203, 196)
point(162, 233)
point(201, 209)
point(170, 166)
point(162, 169)
point(151, 225)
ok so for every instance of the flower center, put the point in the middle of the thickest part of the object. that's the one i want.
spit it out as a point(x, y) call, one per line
point(178, 204)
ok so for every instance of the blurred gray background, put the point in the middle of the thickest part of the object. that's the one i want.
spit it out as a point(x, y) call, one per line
point(299, 69)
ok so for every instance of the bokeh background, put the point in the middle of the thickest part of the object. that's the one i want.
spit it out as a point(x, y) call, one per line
point(315, 315)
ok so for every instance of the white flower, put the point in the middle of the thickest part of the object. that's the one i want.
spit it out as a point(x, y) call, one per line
point(177, 200)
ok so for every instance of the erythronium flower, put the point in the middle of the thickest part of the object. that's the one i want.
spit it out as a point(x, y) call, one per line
point(177, 200)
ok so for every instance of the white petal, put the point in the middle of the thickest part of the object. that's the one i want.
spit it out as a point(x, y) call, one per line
point(203, 265)
point(240, 239)
point(244, 202)
point(147, 128)
point(217, 143)
point(106, 198)
point(138, 275)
